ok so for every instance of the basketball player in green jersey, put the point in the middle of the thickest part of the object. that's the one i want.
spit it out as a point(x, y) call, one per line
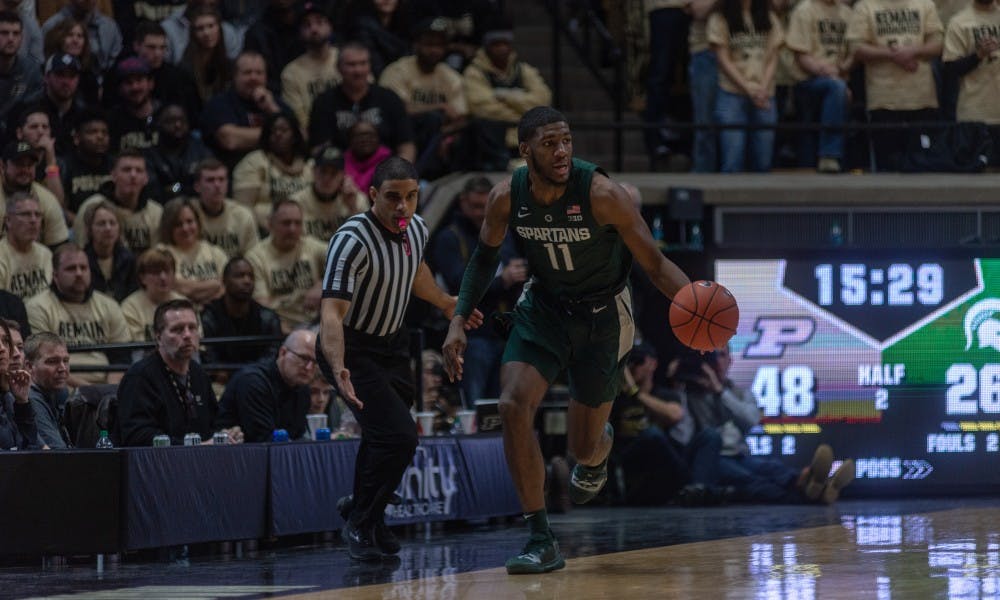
point(578, 231)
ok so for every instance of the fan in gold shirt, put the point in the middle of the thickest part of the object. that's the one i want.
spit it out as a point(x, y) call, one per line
point(199, 263)
point(72, 310)
point(25, 265)
point(156, 269)
point(19, 162)
point(224, 222)
point(332, 197)
point(288, 268)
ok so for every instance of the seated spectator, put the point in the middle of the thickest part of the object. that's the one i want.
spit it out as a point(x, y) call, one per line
point(440, 397)
point(102, 32)
point(272, 394)
point(816, 33)
point(206, 58)
point(364, 152)
point(131, 16)
point(34, 127)
point(323, 400)
point(168, 393)
point(714, 402)
point(199, 263)
point(19, 74)
point(31, 31)
point(25, 265)
point(237, 314)
point(355, 99)
point(47, 359)
point(180, 28)
point(433, 95)
point(972, 59)
point(112, 265)
point(17, 341)
point(449, 252)
point(79, 315)
point(133, 125)
point(60, 97)
point(172, 84)
point(225, 223)
point(176, 152)
point(465, 20)
point(288, 267)
point(332, 197)
point(384, 28)
point(156, 271)
point(17, 416)
point(19, 162)
point(500, 88)
point(138, 214)
point(88, 166)
point(747, 52)
point(70, 37)
point(897, 44)
point(232, 119)
point(315, 71)
point(656, 465)
point(280, 168)
point(275, 36)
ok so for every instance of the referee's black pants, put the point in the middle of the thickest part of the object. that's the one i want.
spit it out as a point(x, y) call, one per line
point(383, 381)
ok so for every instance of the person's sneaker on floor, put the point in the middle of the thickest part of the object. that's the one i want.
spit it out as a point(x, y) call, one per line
point(840, 479)
point(360, 542)
point(540, 555)
point(586, 482)
point(828, 165)
point(559, 485)
point(818, 471)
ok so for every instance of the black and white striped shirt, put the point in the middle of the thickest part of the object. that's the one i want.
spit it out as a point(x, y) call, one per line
point(368, 265)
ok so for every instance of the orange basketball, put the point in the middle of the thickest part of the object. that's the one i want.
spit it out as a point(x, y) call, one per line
point(704, 315)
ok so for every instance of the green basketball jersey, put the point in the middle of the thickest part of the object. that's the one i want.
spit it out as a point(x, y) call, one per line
point(570, 256)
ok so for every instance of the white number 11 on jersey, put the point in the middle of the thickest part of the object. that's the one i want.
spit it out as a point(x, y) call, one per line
point(564, 250)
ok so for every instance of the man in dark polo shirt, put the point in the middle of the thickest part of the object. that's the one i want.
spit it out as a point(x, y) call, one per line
point(272, 394)
point(355, 99)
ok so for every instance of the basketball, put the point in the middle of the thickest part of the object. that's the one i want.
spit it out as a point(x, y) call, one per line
point(704, 315)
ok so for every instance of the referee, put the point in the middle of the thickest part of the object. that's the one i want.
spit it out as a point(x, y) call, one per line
point(374, 263)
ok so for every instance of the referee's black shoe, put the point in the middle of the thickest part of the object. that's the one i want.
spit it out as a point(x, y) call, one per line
point(385, 539)
point(360, 542)
point(346, 504)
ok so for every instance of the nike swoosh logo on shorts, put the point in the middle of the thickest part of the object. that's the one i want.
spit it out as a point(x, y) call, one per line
point(523, 212)
point(598, 309)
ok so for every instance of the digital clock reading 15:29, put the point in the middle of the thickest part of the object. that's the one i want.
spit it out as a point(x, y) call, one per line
point(880, 297)
point(898, 284)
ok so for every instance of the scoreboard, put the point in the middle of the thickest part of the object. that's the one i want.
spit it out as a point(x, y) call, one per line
point(893, 361)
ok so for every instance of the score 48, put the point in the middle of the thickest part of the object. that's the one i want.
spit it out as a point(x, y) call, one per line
point(788, 391)
point(782, 389)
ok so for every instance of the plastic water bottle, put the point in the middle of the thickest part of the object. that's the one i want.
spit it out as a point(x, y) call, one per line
point(696, 239)
point(103, 441)
point(657, 229)
point(836, 234)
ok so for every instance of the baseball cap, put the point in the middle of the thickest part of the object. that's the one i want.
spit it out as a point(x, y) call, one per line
point(435, 25)
point(329, 156)
point(132, 65)
point(60, 61)
point(499, 30)
point(311, 8)
point(15, 150)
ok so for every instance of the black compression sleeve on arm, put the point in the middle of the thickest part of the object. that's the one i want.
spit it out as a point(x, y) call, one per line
point(479, 273)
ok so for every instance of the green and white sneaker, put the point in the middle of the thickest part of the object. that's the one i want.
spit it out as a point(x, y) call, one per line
point(540, 555)
point(586, 482)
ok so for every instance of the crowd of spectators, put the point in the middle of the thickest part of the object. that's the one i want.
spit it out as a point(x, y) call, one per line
point(909, 68)
point(198, 155)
